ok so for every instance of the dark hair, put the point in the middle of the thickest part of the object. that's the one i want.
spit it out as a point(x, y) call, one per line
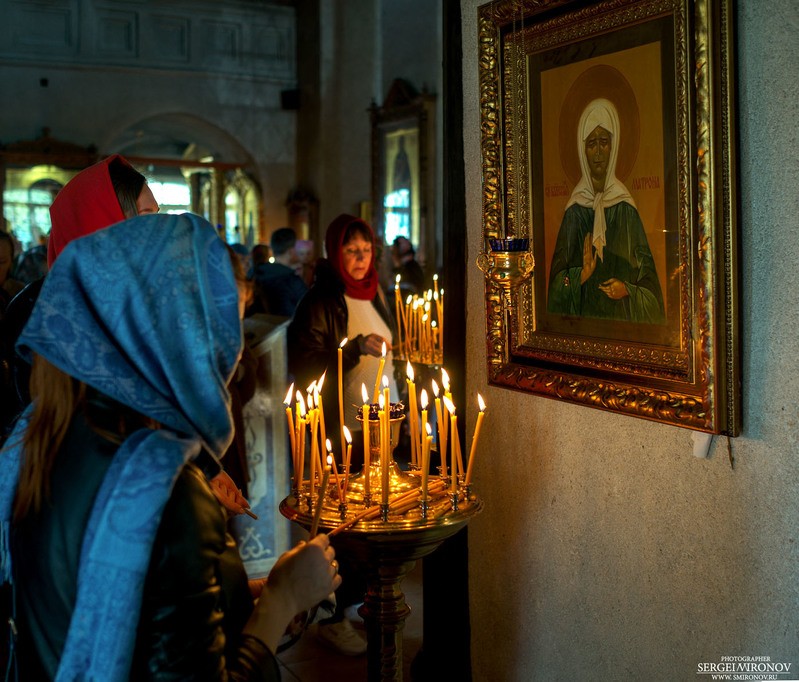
point(128, 184)
point(5, 237)
point(404, 246)
point(356, 227)
point(259, 254)
point(282, 240)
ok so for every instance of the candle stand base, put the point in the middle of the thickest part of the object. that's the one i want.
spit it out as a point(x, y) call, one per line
point(388, 546)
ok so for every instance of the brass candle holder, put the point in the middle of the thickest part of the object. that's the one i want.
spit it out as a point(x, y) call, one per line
point(387, 539)
point(508, 264)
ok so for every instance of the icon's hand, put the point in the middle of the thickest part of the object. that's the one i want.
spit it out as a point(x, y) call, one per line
point(614, 289)
point(589, 259)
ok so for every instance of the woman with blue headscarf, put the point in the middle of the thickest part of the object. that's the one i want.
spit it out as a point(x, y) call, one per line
point(112, 538)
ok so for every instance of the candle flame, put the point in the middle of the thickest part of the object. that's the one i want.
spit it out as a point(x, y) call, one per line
point(316, 399)
point(424, 317)
point(321, 381)
point(329, 447)
point(409, 299)
point(364, 394)
point(428, 428)
point(450, 405)
point(301, 403)
point(343, 343)
point(287, 401)
point(433, 324)
point(384, 349)
point(435, 387)
point(347, 435)
point(423, 399)
point(385, 381)
point(444, 379)
point(435, 295)
point(481, 403)
point(442, 293)
point(398, 278)
point(311, 388)
point(329, 457)
point(435, 277)
point(409, 371)
point(380, 401)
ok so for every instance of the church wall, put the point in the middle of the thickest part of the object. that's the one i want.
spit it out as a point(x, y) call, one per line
point(606, 550)
point(90, 73)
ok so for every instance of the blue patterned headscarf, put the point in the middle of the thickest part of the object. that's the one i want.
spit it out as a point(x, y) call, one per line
point(146, 312)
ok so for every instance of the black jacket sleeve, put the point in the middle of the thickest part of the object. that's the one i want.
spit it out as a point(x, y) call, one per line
point(196, 598)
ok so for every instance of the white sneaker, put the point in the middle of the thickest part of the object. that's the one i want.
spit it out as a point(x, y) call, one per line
point(342, 637)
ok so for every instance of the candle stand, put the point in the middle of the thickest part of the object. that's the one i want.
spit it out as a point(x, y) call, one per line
point(387, 540)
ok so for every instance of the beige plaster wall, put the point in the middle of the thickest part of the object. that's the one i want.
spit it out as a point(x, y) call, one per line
point(606, 550)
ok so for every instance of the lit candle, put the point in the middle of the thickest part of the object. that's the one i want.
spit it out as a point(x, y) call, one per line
point(292, 439)
point(455, 439)
point(301, 435)
point(481, 404)
point(321, 407)
point(397, 307)
point(414, 425)
point(341, 392)
point(442, 430)
point(380, 372)
point(382, 419)
point(321, 498)
point(408, 323)
point(365, 413)
point(425, 425)
point(428, 440)
point(332, 461)
point(346, 463)
point(313, 416)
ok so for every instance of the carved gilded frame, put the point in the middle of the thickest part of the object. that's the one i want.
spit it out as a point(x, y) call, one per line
point(681, 368)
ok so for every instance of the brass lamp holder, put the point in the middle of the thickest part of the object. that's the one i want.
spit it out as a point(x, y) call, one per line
point(508, 264)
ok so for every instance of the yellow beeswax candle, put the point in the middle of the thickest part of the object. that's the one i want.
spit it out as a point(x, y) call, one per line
point(380, 373)
point(412, 414)
point(341, 391)
point(320, 500)
point(481, 404)
point(428, 440)
point(365, 416)
point(442, 430)
point(423, 402)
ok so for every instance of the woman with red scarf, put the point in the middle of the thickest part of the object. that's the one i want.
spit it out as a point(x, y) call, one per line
point(345, 301)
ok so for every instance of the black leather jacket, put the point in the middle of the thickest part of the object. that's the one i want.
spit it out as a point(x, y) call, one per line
point(196, 598)
point(317, 329)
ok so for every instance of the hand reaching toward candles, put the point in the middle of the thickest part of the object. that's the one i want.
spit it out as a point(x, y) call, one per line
point(371, 345)
point(300, 579)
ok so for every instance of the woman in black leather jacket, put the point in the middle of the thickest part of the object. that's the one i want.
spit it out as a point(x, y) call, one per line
point(112, 538)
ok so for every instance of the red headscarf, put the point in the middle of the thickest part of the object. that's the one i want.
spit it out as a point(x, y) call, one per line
point(86, 204)
point(365, 288)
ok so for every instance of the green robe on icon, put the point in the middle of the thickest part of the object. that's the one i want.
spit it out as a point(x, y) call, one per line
point(627, 257)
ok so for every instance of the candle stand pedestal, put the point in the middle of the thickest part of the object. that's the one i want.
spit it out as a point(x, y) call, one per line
point(388, 549)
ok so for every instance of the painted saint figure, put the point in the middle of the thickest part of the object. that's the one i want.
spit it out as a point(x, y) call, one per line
point(602, 266)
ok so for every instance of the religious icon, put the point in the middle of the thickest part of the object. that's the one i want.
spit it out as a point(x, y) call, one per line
point(602, 265)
